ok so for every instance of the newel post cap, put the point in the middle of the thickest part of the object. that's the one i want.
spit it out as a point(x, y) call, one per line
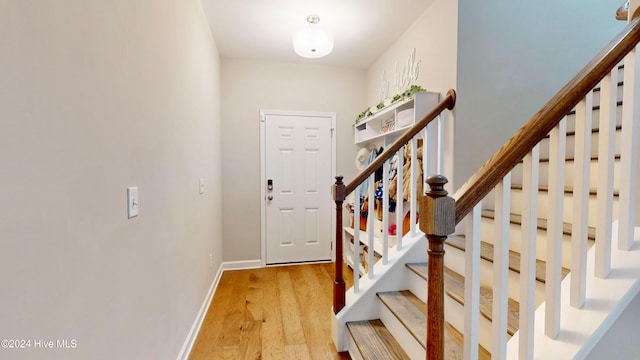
point(439, 210)
point(339, 190)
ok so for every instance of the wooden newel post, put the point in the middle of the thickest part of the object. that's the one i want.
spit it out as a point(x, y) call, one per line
point(339, 194)
point(437, 220)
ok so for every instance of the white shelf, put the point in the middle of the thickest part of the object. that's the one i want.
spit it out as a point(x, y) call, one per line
point(382, 124)
point(378, 247)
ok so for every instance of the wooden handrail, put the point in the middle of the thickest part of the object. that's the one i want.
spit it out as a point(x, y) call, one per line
point(448, 102)
point(511, 153)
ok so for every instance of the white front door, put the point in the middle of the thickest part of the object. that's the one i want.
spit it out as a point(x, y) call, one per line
point(297, 175)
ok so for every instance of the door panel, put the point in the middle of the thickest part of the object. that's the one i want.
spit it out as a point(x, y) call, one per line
point(298, 214)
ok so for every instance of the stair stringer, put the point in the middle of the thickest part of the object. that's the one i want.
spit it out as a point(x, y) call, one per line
point(388, 277)
point(581, 329)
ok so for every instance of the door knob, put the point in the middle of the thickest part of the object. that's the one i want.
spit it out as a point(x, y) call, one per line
point(270, 197)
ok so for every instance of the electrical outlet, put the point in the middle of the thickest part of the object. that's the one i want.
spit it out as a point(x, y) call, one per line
point(210, 260)
point(201, 186)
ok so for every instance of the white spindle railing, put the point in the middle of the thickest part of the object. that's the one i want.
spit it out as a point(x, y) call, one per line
point(399, 203)
point(432, 144)
point(501, 268)
point(530, 171)
point(472, 283)
point(557, 152)
point(580, 279)
point(606, 159)
point(580, 218)
point(629, 149)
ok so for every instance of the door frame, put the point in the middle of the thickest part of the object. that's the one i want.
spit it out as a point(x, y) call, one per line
point(330, 116)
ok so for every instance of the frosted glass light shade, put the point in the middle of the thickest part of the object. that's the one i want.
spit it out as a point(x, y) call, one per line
point(312, 42)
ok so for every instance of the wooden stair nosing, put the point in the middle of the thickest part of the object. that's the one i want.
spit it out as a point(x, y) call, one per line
point(454, 287)
point(486, 253)
point(374, 341)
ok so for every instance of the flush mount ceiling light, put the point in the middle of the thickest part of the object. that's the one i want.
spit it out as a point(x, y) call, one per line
point(312, 41)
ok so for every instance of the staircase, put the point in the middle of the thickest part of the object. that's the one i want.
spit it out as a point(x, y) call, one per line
point(539, 260)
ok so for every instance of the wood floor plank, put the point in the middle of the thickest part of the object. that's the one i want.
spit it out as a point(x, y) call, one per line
point(297, 351)
point(206, 342)
point(255, 312)
point(272, 334)
point(293, 333)
point(255, 296)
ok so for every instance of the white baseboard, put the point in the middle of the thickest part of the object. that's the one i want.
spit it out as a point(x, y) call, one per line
point(240, 265)
point(195, 328)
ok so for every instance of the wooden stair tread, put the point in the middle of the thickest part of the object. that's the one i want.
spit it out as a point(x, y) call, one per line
point(486, 253)
point(374, 341)
point(542, 223)
point(411, 312)
point(567, 190)
point(454, 287)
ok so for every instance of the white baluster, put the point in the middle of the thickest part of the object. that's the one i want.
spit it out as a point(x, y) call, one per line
point(441, 119)
point(528, 254)
point(501, 269)
point(399, 198)
point(629, 150)
point(414, 175)
point(430, 150)
point(370, 224)
point(606, 159)
point(385, 212)
point(557, 152)
point(356, 241)
point(580, 223)
point(472, 283)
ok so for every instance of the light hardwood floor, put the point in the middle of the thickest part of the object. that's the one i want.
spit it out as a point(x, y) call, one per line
point(271, 313)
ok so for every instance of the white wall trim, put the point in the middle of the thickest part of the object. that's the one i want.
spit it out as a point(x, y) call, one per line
point(195, 328)
point(197, 324)
point(241, 265)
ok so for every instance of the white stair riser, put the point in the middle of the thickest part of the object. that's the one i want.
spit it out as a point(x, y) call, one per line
point(595, 119)
point(454, 315)
point(454, 260)
point(570, 150)
point(543, 179)
point(517, 204)
point(515, 241)
point(597, 94)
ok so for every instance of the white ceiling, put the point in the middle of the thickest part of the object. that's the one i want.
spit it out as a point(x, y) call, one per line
point(262, 29)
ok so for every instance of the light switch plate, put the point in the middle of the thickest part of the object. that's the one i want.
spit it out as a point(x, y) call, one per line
point(132, 201)
point(201, 186)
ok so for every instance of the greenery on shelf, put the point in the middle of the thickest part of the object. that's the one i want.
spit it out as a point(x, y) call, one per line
point(397, 97)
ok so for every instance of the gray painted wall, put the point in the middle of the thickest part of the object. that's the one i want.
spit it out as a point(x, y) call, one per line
point(97, 96)
point(251, 85)
point(513, 56)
